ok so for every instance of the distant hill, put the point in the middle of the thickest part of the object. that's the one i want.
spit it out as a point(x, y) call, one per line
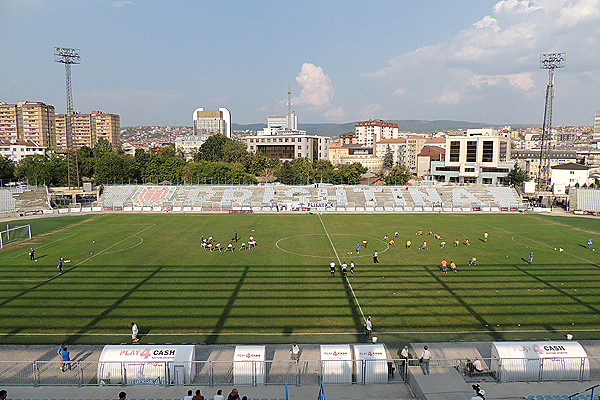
point(406, 125)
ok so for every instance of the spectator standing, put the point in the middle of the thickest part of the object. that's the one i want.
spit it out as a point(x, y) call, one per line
point(219, 395)
point(295, 352)
point(66, 358)
point(134, 332)
point(425, 358)
point(369, 328)
point(404, 355)
point(60, 349)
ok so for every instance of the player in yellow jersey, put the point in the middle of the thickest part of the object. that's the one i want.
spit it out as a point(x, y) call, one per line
point(444, 266)
point(408, 243)
point(485, 237)
point(473, 261)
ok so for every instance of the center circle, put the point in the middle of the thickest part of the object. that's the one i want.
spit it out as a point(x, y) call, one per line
point(279, 243)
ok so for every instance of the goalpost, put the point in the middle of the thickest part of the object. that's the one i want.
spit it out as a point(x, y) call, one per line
point(9, 235)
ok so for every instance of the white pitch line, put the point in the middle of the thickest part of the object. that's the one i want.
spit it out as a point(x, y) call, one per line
point(108, 248)
point(340, 261)
point(540, 243)
point(297, 333)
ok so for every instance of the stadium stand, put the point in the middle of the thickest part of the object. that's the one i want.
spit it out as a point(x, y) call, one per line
point(330, 198)
point(586, 200)
point(24, 199)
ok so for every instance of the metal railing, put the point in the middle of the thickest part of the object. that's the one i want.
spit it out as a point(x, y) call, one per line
point(278, 372)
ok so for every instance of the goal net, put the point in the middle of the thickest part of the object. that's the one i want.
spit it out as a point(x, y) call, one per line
point(13, 234)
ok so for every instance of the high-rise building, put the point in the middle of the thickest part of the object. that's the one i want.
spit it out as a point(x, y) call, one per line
point(87, 129)
point(283, 122)
point(107, 126)
point(370, 132)
point(597, 125)
point(212, 122)
point(28, 120)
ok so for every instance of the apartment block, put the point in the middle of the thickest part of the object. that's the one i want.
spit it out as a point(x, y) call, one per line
point(87, 129)
point(28, 120)
point(368, 133)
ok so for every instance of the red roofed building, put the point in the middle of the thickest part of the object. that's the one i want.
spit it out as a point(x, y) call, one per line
point(426, 156)
point(17, 149)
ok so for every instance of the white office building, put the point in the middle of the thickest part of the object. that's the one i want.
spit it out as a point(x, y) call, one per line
point(190, 145)
point(212, 122)
point(288, 144)
point(481, 156)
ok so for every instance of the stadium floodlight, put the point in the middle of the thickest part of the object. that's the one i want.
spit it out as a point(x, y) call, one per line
point(69, 56)
point(552, 60)
point(549, 61)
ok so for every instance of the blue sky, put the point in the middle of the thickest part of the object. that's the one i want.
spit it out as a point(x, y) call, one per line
point(154, 62)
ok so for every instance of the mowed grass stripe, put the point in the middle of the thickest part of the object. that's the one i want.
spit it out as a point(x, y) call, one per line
point(168, 284)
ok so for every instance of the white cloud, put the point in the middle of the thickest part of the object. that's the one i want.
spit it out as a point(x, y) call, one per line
point(522, 81)
point(498, 55)
point(447, 97)
point(316, 93)
point(370, 111)
point(120, 4)
point(399, 92)
point(335, 114)
point(316, 87)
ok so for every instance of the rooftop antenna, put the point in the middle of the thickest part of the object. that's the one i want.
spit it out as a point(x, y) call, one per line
point(289, 104)
point(549, 61)
point(69, 56)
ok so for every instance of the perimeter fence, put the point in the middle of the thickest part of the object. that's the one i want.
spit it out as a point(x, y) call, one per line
point(303, 372)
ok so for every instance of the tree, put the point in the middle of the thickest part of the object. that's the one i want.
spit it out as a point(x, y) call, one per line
point(285, 174)
point(388, 159)
point(7, 169)
point(303, 170)
point(258, 164)
point(516, 176)
point(235, 151)
point(102, 147)
point(212, 149)
point(399, 175)
point(351, 174)
point(111, 168)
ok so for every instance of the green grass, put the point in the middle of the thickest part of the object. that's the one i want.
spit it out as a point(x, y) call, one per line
point(151, 269)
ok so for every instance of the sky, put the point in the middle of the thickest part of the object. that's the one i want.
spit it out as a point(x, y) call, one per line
point(155, 62)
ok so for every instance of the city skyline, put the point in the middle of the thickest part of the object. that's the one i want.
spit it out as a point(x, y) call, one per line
point(154, 63)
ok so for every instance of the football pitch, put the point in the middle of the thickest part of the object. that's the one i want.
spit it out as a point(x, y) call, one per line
point(151, 269)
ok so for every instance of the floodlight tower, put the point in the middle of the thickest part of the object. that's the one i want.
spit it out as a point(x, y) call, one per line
point(549, 61)
point(69, 56)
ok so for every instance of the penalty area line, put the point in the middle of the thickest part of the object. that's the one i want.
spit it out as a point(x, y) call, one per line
point(340, 261)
